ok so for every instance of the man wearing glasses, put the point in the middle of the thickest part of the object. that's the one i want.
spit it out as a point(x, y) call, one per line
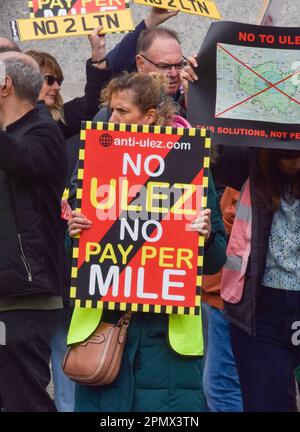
point(151, 49)
point(159, 50)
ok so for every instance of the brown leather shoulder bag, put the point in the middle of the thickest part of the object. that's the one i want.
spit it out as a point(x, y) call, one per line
point(97, 360)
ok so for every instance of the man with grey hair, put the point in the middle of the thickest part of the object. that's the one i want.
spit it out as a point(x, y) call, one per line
point(33, 166)
point(8, 45)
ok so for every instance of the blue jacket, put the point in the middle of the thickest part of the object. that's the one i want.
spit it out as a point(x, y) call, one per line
point(122, 56)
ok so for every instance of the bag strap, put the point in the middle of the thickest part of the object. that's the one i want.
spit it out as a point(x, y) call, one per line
point(124, 319)
point(123, 324)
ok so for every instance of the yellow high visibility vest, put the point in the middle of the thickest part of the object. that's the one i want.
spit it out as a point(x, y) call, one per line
point(185, 331)
point(185, 334)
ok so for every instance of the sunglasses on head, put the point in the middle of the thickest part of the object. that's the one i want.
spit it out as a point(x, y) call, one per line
point(51, 79)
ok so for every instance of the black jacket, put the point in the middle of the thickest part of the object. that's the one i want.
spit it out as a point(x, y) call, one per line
point(234, 166)
point(85, 107)
point(33, 166)
point(75, 111)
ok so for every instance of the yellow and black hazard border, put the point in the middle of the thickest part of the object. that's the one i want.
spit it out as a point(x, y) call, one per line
point(204, 133)
point(33, 15)
point(31, 9)
point(71, 25)
point(135, 307)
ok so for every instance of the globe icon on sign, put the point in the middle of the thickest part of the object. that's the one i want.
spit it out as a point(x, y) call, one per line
point(106, 140)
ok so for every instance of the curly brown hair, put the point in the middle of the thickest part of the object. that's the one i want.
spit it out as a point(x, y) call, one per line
point(149, 92)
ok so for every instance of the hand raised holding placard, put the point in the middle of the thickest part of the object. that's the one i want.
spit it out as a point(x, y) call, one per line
point(97, 41)
point(158, 16)
point(188, 74)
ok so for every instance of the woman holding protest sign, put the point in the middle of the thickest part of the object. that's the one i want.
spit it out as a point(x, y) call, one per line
point(153, 376)
point(99, 69)
point(261, 280)
point(69, 116)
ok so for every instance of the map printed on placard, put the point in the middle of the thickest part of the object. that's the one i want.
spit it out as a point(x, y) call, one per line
point(260, 82)
point(249, 91)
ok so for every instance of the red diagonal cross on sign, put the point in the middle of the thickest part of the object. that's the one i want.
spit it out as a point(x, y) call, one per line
point(271, 85)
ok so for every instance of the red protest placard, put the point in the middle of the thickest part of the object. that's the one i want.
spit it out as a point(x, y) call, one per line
point(141, 186)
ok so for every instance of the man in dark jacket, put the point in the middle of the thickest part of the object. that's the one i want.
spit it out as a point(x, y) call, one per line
point(150, 48)
point(33, 168)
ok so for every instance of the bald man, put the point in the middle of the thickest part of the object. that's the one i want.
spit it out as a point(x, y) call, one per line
point(33, 166)
point(8, 45)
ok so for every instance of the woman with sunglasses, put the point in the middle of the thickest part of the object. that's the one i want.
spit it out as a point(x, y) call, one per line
point(153, 377)
point(70, 114)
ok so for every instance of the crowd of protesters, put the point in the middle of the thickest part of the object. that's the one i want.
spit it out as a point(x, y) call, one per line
point(251, 227)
